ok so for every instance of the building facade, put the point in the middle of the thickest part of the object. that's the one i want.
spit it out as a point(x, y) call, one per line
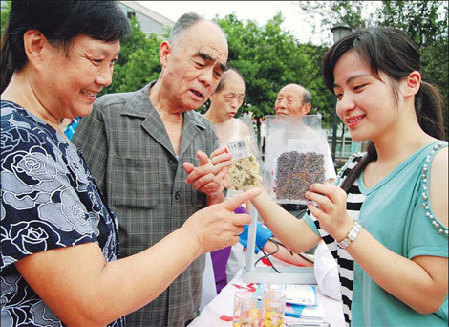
point(149, 21)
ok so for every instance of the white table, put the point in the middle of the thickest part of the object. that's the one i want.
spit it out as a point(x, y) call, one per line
point(222, 305)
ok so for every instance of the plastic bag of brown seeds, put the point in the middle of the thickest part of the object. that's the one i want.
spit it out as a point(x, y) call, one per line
point(295, 156)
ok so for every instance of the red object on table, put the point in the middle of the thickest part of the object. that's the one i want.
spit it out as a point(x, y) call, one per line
point(248, 287)
point(226, 318)
point(266, 262)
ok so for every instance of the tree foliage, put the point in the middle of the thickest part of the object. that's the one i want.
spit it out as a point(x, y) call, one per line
point(425, 22)
point(138, 61)
point(269, 59)
point(6, 8)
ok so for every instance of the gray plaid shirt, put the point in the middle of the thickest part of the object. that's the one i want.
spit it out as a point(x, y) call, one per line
point(132, 159)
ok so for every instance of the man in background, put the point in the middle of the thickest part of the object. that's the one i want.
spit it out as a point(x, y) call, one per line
point(293, 100)
point(227, 98)
point(296, 100)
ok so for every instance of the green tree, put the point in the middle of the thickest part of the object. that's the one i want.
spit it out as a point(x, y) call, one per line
point(6, 8)
point(425, 22)
point(270, 58)
point(322, 15)
point(138, 61)
point(323, 102)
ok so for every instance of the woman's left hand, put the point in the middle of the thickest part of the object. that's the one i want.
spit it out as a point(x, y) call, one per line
point(331, 211)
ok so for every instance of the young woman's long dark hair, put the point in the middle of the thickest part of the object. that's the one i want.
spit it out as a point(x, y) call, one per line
point(60, 22)
point(390, 51)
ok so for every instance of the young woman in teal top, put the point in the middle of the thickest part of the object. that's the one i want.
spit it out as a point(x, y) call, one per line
point(386, 221)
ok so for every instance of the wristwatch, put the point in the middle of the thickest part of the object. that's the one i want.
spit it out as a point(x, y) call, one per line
point(353, 233)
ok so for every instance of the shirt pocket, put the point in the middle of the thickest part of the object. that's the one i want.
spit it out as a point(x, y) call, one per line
point(134, 183)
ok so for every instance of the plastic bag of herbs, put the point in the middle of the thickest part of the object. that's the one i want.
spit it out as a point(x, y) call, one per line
point(296, 155)
point(239, 138)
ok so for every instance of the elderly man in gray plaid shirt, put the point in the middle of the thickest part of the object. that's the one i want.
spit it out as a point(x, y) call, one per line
point(142, 148)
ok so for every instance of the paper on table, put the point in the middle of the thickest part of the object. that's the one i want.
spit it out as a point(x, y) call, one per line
point(304, 311)
point(295, 294)
point(301, 294)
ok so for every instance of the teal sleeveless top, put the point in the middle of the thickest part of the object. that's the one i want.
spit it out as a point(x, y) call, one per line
point(397, 211)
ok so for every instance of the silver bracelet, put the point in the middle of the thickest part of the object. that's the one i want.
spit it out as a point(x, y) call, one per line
point(352, 235)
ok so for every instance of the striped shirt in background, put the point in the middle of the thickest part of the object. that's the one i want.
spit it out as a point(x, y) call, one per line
point(344, 259)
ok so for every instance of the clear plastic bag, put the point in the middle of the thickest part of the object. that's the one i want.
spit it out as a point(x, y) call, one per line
point(296, 155)
point(238, 136)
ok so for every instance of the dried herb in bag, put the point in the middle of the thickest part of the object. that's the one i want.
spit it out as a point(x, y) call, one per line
point(295, 173)
point(245, 170)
